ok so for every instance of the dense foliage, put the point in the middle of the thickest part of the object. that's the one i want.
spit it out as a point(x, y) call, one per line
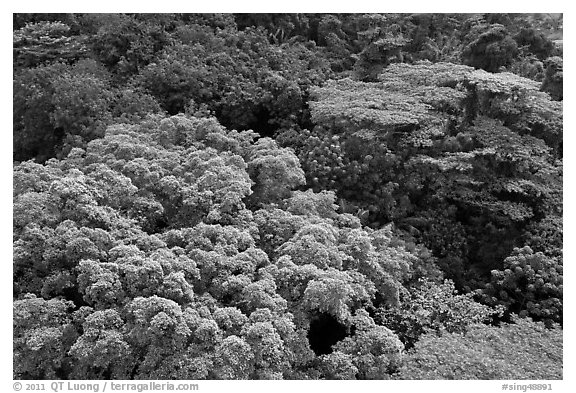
point(462, 160)
point(457, 356)
point(287, 196)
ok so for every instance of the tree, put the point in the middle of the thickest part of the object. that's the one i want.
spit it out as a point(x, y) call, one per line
point(58, 107)
point(42, 337)
point(155, 327)
point(270, 357)
point(101, 349)
point(494, 48)
point(375, 350)
point(234, 359)
point(416, 148)
point(243, 79)
point(553, 78)
point(520, 350)
point(377, 55)
point(429, 307)
point(47, 42)
point(529, 284)
point(276, 171)
point(34, 135)
point(338, 294)
point(536, 41)
point(123, 43)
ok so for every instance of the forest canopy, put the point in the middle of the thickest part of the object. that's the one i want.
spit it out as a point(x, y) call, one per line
point(287, 196)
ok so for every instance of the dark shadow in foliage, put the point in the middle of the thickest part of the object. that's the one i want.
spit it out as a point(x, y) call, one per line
point(325, 331)
point(261, 123)
point(73, 294)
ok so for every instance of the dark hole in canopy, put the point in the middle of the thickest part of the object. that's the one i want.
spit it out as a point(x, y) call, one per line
point(325, 331)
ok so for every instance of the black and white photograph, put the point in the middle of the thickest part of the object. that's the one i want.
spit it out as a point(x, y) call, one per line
point(286, 196)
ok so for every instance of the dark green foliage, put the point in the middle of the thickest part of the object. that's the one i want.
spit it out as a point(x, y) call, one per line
point(81, 105)
point(419, 148)
point(529, 284)
point(520, 350)
point(536, 41)
point(280, 27)
point(20, 20)
point(528, 66)
point(382, 42)
point(492, 49)
point(47, 42)
point(250, 70)
point(244, 80)
point(34, 133)
point(58, 107)
point(125, 44)
point(553, 78)
point(431, 307)
point(545, 236)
